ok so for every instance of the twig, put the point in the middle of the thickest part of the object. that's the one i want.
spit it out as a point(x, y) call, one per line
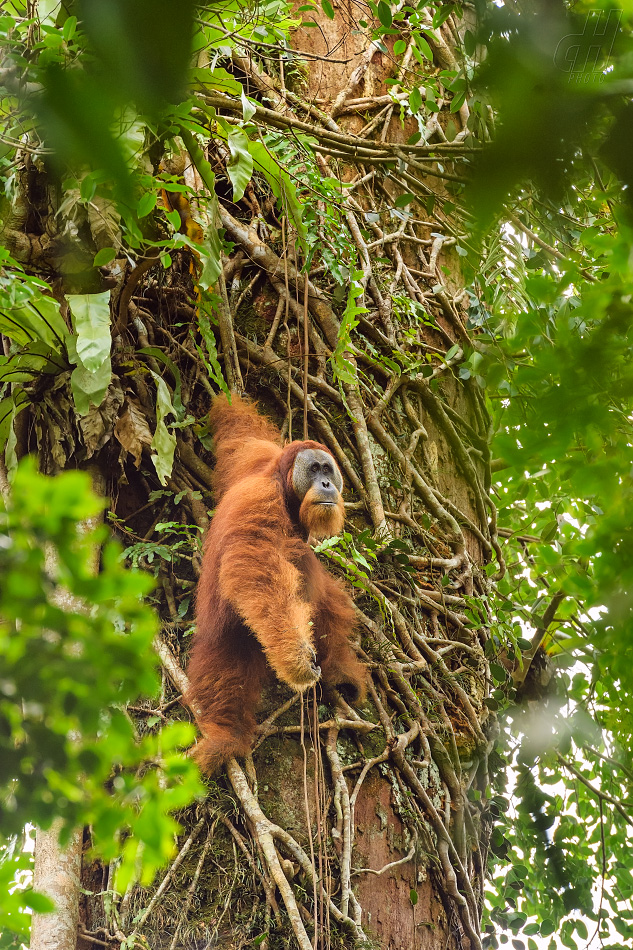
point(603, 796)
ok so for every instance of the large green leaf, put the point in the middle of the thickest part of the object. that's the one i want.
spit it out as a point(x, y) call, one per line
point(240, 164)
point(38, 319)
point(89, 350)
point(211, 250)
point(143, 47)
point(91, 320)
point(164, 441)
point(89, 388)
point(218, 79)
point(32, 360)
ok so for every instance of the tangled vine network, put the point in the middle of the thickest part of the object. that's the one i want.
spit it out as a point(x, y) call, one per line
point(344, 313)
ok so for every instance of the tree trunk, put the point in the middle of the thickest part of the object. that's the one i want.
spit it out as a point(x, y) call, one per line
point(347, 827)
point(57, 874)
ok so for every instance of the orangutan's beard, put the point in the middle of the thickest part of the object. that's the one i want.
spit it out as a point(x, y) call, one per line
point(321, 521)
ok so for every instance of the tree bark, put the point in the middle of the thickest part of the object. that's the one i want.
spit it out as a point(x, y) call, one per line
point(57, 874)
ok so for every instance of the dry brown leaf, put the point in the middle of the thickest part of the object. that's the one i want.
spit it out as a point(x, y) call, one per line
point(132, 431)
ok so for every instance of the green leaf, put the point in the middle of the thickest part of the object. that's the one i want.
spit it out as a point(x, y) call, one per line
point(90, 386)
point(399, 47)
point(413, 896)
point(88, 188)
point(69, 28)
point(249, 108)
point(146, 203)
point(104, 256)
point(32, 360)
point(341, 366)
point(158, 354)
point(240, 164)
point(211, 250)
point(549, 532)
point(218, 79)
point(38, 319)
point(164, 441)
point(403, 200)
point(422, 47)
point(328, 9)
point(142, 53)
point(498, 673)
point(415, 100)
point(458, 102)
point(174, 219)
point(9, 408)
point(442, 15)
point(211, 363)
point(76, 779)
point(384, 13)
point(39, 903)
point(77, 118)
point(91, 321)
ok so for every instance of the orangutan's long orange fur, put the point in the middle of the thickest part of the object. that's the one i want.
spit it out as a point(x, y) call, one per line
point(263, 597)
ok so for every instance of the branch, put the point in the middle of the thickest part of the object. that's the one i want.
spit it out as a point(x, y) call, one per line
point(262, 828)
point(603, 796)
point(387, 867)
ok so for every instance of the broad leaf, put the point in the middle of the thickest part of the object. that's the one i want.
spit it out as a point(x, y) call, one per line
point(211, 250)
point(248, 106)
point(89, 388)
point(34, 359)
point(164, 441)
point(91, 320)
point(240, 165)
point(158, 354)
point(35, 320)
